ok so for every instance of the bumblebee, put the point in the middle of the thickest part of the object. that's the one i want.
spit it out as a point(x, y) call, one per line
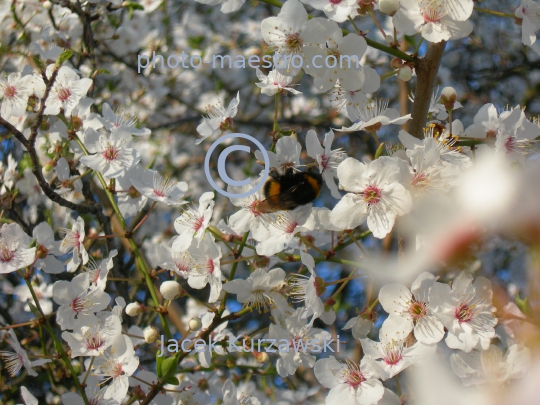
point(285, 192)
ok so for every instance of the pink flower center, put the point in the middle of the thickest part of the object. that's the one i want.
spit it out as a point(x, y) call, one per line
point(159, 193)
point(372, 195)
point(6, 254)
point(210, 266)
point(78, 305)
point(117, 370)
point(253, 209)
point(324, 161)
point(10, 91)
point(510, 144)
point(182, 267)
point(94, 343)
point(433, 11)
point(110, 154)
point(417, 310)
point(290, 227)
point(335, 1)
point(198, 223)
point(354, 378)
point(419, 181)
point(64, 94)
point(96, 276)
point(464, 313)
point(393, 356)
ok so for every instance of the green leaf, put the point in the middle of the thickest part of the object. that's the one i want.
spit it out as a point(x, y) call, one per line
point(524, 305)
point(167, 365)
point(172, 381)
point(134, 6)
point(131, 7)
point(64, 56)
point(159, 362)
point(38, 62)
point(380, 151)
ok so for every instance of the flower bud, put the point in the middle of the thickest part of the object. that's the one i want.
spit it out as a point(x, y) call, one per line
point(330, 302)
point(405, 73)
point(77, 122)
point(396, 63)
point(134, 309)
point(47, 5)
point(76, 364)
point(151, 334)
point(448, 97)
point(320, 286)
point(203, 384)
point(389, 39)
point(171, 290)
point(261, 357)
point(389, 7)
point(195, 324)
point(41, 252)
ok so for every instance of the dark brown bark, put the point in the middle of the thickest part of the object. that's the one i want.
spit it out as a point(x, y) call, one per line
point(426, 74)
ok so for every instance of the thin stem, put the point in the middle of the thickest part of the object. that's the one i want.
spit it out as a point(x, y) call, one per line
point(71, 181)
point(495, 13)
point(341, 280)
point(241, 259)
point(342, 286)
point(145, 217)
point(397, 385)
point(358, 244)
point(88, 371)
point(358, 32)
point(372, 306)
point(198, 300)
point(257, 332)
point(370, 11)
point(389, 74)
point(19, 325)
point(140, 380)
point(133, 336)
point(308, 243)
point(374, 133)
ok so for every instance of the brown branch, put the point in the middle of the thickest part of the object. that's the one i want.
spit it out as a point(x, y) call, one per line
point(218, 320)
point(426, 74)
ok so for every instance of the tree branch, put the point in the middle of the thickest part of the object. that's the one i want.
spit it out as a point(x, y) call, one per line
point(426, 74)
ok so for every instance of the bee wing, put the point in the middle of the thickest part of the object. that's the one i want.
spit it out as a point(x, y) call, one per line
point(278, 201)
